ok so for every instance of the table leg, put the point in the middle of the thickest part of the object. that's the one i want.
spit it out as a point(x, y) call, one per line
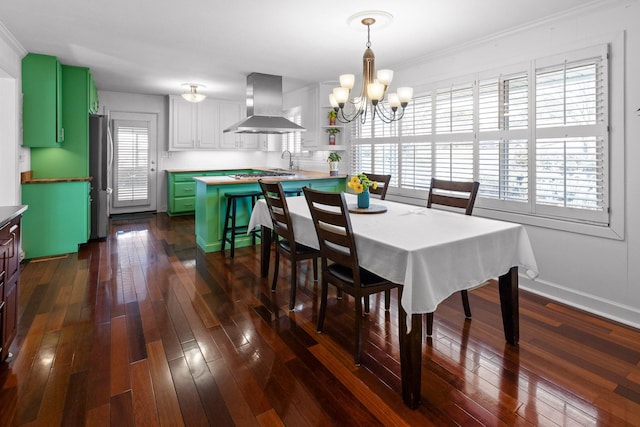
point(265, 250)
point(508, 284)
point(410, 358)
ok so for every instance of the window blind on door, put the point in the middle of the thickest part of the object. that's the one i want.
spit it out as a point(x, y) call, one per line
point(132, 162)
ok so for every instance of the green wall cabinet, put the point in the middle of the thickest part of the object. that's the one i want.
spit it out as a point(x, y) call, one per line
point(57, 220)
point(71, 159)
point(93, 95)
point(42, 101)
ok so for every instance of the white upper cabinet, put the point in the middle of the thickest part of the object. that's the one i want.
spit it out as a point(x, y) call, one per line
point(230, 113)
point(183, 124)
point(199, 126)
point(307, 100)
point(192, 126)
point(309, 116)
point(208, 130)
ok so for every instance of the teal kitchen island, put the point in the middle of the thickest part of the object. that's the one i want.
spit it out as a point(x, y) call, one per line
point(211, 201)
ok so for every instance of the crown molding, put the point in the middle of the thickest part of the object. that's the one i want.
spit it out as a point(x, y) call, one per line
point(6, 35)
point(585, 8)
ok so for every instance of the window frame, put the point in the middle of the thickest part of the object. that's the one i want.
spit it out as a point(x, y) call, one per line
point(539, 214)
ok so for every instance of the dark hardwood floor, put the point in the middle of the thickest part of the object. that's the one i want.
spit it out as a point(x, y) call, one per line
point(144, 329)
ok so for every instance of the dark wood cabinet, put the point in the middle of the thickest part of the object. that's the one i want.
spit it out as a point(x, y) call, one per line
point(9, 274)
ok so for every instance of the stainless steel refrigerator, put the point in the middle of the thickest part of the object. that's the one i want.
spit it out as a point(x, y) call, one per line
point(100, 160)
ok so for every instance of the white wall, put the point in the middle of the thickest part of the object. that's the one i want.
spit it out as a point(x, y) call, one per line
point(600, 274)
point(10, 137)
point(182, 160)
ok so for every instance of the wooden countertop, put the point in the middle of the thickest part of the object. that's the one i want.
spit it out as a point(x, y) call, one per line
point(27, 178)
point(298, 176)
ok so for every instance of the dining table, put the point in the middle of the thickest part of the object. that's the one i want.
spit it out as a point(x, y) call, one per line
point(432, 253)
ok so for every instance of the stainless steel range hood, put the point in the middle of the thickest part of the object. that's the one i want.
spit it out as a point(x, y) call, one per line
point(264, 107)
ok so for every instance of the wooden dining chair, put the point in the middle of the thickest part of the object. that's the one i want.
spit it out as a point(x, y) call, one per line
point(284, 238)
point(339, 258)
point(383, 184)
point(455, 194)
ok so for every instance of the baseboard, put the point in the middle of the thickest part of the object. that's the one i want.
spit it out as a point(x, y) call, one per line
point(601, 307)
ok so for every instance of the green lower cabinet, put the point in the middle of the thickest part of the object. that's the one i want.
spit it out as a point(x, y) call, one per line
point(57, 220)
point(181, 190)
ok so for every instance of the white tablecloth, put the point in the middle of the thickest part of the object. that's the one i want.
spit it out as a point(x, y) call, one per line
point(432, 253)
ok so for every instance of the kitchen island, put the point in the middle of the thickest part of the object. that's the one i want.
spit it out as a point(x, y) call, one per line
point(211, 202)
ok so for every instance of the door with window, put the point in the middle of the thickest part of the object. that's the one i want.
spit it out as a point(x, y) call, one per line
point(134, 171)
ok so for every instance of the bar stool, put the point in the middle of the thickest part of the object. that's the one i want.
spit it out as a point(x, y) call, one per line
point(229, 233)
point(291, 191)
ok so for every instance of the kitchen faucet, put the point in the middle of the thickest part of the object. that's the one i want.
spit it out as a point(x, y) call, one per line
point(290, 158)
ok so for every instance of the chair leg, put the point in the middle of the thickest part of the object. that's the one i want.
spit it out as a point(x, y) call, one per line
point(465, 304)
point(315, 269)
point(275, 269)
point(367, 304)
point(233, 227)
point(323, 306)
point(294, 284)
point(387, 299)
point(429, 324)
point(339, 294)
point(358, 325)
point(225, 229)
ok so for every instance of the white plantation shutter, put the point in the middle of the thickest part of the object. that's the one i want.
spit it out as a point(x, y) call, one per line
point(131, 166)
point(503, 170)
point(503, 149)
point(386, 161)
point(571, 167)
point(454, 113)
point(454, 161)
point(416, 158)
point(503, 103)
point(454, 110)
point(569, 172)
point(417, 119)
point(361, 158)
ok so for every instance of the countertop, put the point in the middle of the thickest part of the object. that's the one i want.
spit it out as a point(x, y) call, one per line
point(299, 175)
point(27, 178)
point(7, 213)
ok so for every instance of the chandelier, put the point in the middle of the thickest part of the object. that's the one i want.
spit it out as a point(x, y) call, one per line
point(192, 95)
point(370, 99)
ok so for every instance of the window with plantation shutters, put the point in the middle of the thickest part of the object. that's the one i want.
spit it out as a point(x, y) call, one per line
point(571, 145)
point(534, 135)
point(131, 166)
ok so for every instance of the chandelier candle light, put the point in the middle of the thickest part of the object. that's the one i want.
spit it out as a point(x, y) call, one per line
point(374, 87)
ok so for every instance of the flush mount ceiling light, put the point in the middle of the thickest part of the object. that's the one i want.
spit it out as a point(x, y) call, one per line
point(374, 86)
point(192, 95)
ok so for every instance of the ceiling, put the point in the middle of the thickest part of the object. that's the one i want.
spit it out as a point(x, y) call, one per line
point(154, 46)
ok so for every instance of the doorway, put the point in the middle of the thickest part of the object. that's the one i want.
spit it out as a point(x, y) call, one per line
point(134, 172)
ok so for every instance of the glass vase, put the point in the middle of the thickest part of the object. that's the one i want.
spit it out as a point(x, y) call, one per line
point(363, 200)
